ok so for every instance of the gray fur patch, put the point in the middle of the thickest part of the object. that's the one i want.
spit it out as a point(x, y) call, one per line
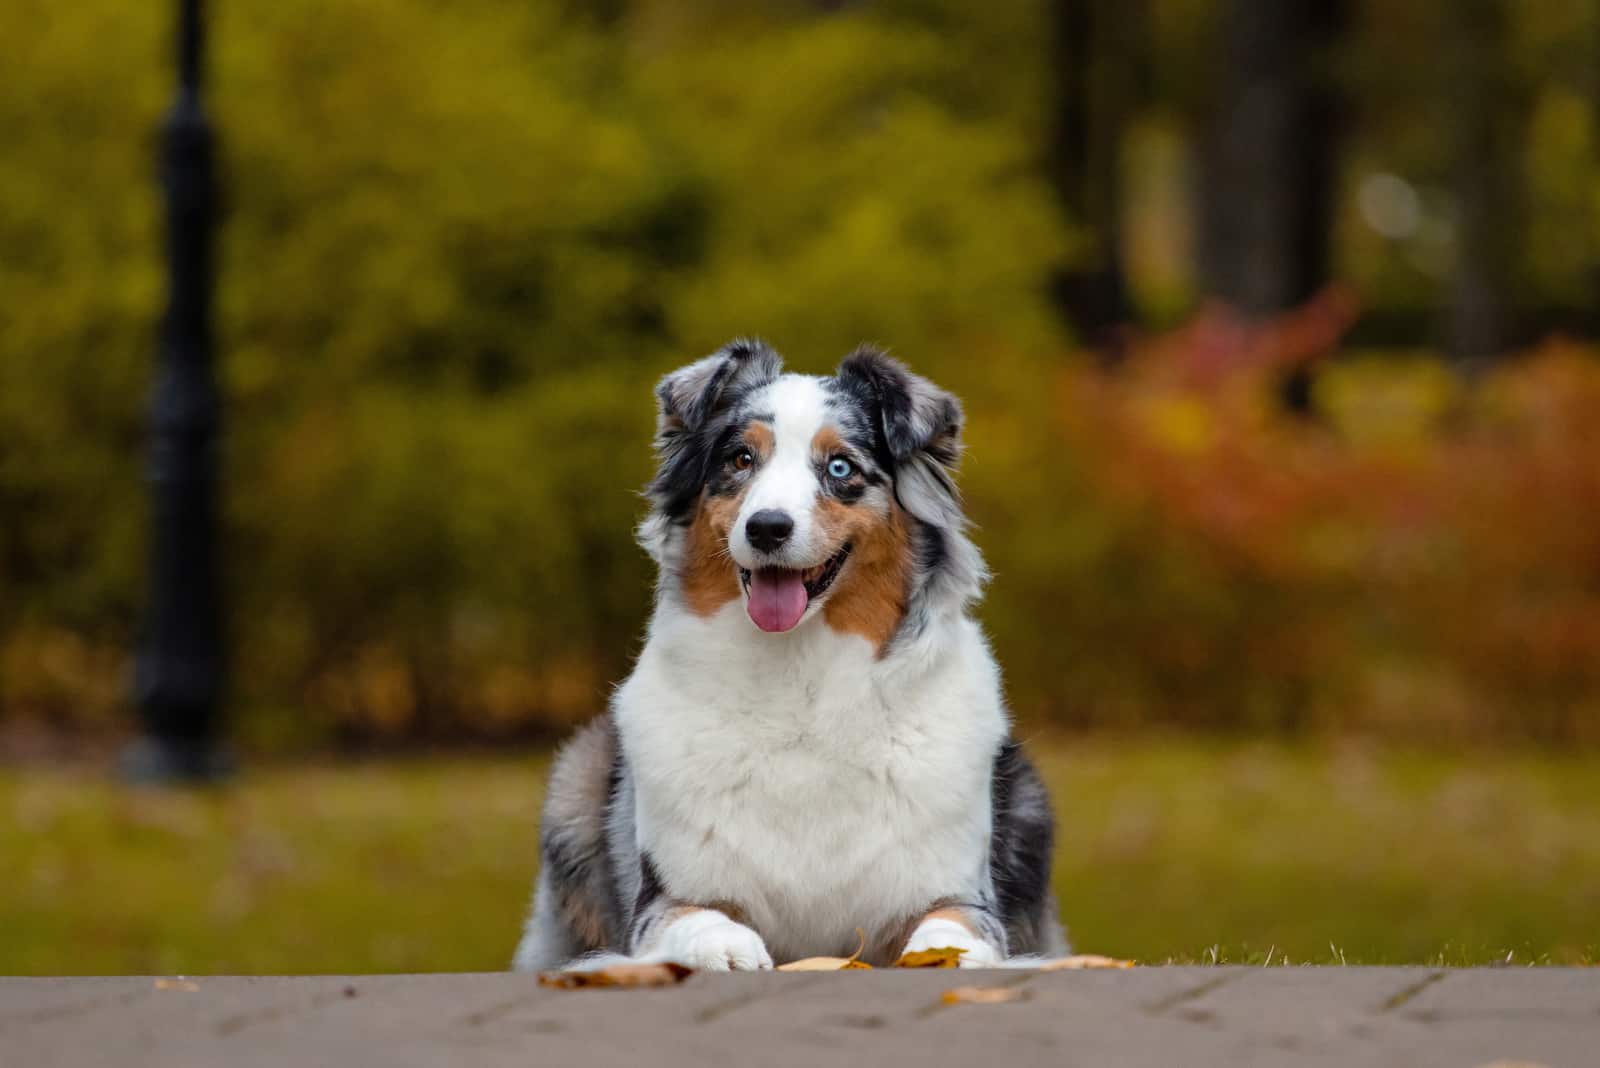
point(1019, 856)
point(576, 905)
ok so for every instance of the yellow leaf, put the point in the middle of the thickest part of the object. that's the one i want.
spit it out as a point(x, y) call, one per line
point(982, 995)
point(618, 975)
point(1083, 960)
point(823, 964)
point(831, 964)
point(947, 957)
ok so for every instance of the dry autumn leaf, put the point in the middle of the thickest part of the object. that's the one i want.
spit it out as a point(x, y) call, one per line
point(823, 964)
point(1083, 960)
point(945, 957)
point(625, 975)
point(830, 964)
point(982, 995)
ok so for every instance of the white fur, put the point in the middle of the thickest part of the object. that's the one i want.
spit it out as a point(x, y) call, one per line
point(815, 787)
point(941, 933)
point(787, 481)
point(797, 775)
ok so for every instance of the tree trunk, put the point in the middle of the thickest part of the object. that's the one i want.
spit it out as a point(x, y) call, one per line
point(1095, 60)
point(1478, 323)
point(1270, 163)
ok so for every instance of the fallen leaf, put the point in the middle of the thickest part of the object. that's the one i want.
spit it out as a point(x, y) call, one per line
point(665, 974)
point(947, 957)
point(831, 964)
point(982, 995)
point(1083, 960)
point(823, 964)
point(178, 984)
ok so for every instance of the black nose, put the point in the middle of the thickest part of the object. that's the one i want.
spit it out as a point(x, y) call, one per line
point(768, 529)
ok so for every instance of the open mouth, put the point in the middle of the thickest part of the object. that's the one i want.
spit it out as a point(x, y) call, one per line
point(777, 597)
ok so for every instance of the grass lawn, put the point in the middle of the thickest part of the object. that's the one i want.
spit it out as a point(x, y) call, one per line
point(1169, 849)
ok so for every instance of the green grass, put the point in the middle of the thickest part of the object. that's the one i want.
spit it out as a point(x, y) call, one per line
point(1171, 849)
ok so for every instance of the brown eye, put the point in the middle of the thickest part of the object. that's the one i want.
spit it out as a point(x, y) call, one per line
point(744, 460)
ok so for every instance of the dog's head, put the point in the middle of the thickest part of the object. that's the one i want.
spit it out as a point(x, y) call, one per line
point(810, 497)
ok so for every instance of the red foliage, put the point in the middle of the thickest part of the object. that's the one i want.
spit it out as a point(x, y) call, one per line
point(1439, 570)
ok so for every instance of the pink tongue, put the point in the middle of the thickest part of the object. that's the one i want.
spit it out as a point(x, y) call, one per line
point(777, 598)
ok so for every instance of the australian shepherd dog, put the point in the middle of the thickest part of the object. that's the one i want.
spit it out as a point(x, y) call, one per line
point(813, 741)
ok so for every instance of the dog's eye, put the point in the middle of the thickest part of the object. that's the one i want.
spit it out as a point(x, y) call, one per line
point(744, 460)
point(839, 467)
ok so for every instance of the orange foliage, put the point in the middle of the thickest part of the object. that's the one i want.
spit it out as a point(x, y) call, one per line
point(1418, 553)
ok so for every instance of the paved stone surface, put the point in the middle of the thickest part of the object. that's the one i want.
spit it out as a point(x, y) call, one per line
point(1412, 1017)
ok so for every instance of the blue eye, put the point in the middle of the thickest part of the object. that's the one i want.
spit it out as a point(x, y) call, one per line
point(839, 467)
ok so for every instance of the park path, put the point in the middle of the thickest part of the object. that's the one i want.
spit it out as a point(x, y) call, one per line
point(1187, 1016)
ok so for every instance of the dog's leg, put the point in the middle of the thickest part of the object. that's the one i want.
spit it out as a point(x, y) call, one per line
point(696, 936)
point(973, 928)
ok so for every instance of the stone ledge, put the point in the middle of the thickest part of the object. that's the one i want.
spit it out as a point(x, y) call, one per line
point(1199, 1016)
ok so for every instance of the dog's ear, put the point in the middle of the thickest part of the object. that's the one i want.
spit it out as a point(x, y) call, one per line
point(918, 430)
point(689, 397)
point(915, 417)
point(919, 435)
point(689, 400)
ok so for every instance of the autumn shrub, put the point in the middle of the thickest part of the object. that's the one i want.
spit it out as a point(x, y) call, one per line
point(1418, 555)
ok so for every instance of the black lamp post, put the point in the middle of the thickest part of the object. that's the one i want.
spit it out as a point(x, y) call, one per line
point(178, 676)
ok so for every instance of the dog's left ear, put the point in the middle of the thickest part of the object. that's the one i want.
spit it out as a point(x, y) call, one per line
point(919, 434)
point(915, 417)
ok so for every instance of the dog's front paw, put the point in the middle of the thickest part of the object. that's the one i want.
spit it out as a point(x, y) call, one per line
point(706, 939)
point(938, 932)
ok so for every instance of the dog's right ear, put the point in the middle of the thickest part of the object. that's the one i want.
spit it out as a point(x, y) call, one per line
point(689, 397)
point(688, 402)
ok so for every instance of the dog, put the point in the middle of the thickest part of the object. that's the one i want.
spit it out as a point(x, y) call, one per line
point(813, 744)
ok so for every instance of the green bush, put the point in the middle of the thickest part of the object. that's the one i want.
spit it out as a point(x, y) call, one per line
point(460, 244)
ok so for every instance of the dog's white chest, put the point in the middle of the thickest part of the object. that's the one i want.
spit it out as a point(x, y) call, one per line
point(820, 792)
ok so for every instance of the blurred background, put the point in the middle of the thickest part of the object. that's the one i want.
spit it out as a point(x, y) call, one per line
point(1275, 324)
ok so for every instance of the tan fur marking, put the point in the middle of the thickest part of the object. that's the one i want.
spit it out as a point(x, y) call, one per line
point(678, 912)
point(870, 597)
point(827, 442)
point(730, 910)
point(759, 437)
point(954, 915)
point(584, 919)
point(708, 577)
